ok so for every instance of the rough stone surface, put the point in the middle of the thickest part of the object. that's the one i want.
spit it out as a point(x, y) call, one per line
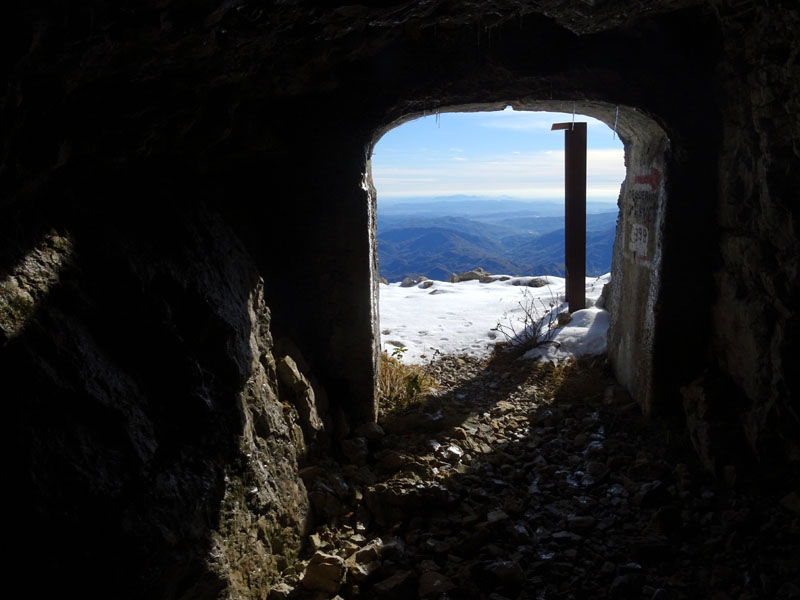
point(143, 389)
point(753, 319)
point(305, 401)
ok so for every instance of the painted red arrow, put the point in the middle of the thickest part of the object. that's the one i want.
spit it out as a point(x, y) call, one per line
point(653, 179)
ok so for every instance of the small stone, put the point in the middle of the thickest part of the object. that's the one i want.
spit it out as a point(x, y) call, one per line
point(370, 552)
point(280, 591)
point(355, 449)
point(652, 494)
point(626, 586)
point(304, 397)
point(324, 573)
point(496, 515)
point(391, 460)
point(513, 505)
point(566, 536)
point(470, 519)
point(791, 501)
point(450, 453)
point(428, 565)
point(432, 583)
point(580, 524)
point(468, 275)
point(359, 571)
point(504, 575)
point(309, 474)
point(537, 282)
point(316, 542)
point(347, 548)
point(495, 550)
point(597, 470)
point(630, 567)
point(502, 407)
point(459, 433)
point(371, 431)
point(521, 531)
point(399, 586)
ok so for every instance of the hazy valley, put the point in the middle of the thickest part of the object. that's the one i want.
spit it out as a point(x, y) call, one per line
point(452, 235)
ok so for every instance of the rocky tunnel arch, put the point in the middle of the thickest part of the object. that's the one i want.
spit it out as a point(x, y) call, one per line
point(177, 107)
point(319, 151)
point(636, 261)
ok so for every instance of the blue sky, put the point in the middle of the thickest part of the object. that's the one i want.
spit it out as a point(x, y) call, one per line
point(501, 153)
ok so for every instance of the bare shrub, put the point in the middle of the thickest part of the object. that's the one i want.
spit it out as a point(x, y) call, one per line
point(535, 323)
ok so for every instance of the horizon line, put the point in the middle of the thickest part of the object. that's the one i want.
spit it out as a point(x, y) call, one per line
point(472, 198)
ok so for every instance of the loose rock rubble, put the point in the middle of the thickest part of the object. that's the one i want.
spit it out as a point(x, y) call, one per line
point(534, 481)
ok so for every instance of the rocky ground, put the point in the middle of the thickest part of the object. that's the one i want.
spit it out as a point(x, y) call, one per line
point(523, 481)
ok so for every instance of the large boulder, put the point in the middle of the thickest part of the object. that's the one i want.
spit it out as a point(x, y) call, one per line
point(478, 273)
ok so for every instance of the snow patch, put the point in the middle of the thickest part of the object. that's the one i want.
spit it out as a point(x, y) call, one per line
point(461, 318)
point(585, 335)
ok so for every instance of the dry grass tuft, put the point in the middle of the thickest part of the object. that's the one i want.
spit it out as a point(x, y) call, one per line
point(401, 386)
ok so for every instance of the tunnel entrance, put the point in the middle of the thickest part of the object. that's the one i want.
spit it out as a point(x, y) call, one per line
point(482, 193)
point(492, 182)
point(412, 219)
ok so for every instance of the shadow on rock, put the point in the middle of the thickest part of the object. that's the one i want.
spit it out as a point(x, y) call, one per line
point(535, 481)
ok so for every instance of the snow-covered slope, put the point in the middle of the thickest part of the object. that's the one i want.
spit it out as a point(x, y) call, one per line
point(462, 318)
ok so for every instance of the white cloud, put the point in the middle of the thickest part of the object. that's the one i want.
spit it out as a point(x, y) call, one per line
point(531, 175)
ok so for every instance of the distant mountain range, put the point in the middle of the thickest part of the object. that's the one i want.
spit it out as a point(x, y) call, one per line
point(453, 235)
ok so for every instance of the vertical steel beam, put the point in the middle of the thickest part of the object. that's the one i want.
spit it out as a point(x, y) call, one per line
point(575, 212)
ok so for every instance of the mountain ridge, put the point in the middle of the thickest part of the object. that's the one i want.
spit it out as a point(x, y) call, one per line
point(511, 241)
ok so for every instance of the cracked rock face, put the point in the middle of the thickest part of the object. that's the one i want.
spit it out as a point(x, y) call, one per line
point(157, 455)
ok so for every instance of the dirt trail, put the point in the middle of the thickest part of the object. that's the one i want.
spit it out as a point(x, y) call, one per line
point(524, 481)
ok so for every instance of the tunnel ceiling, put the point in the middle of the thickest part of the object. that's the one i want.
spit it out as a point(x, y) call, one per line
point(174, 77)
point(156, 38)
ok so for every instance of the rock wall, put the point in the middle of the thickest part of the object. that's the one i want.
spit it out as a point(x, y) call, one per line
point(757, 290)
point(150, 452)
point(635, 285)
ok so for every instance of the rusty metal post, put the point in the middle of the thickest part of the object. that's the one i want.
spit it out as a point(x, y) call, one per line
point(575, 212)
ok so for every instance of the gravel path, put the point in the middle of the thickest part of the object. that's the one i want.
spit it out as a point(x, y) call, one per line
point(523, 481)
